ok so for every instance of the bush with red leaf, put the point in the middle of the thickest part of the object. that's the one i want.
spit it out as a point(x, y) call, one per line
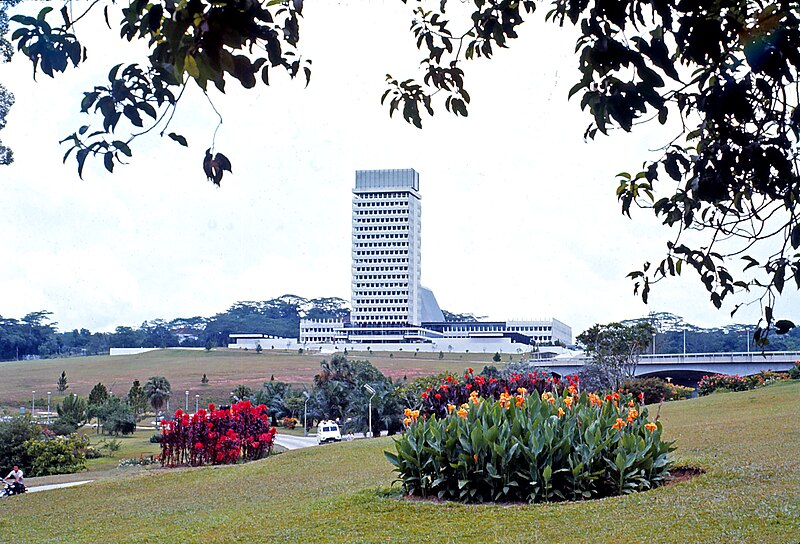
point(217, 437)
point(456, 391)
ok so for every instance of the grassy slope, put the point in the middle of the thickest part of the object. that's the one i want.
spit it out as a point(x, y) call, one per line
point(183, 368)
point(748, 442)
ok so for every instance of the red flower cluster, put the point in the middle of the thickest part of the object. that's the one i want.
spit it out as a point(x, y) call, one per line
point(217, 437)
point(456, 392)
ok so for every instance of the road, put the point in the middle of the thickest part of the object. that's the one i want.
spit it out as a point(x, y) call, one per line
point(291, 442)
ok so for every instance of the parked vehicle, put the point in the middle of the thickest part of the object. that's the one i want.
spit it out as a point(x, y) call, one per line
point(328, 431)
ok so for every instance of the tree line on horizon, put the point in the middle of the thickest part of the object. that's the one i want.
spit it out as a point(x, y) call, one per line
point(36, 336)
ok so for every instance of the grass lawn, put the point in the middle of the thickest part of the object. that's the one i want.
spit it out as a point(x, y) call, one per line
point(747, 442)
point(184, 369)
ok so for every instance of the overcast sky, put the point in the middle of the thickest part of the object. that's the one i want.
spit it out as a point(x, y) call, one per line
point(519, 213)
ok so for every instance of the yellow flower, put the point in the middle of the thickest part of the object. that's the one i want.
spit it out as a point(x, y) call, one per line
point(462, 412)
point(474, 398)
point(651, 427)
point(521, 390)
point(548, 397)
point(561, 412)
point(619, 424)
point(450, 407)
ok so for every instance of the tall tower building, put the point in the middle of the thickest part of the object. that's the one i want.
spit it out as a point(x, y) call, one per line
point(386, 289)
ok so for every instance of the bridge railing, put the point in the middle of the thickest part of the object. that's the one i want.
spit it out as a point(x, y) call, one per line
point(678, 358)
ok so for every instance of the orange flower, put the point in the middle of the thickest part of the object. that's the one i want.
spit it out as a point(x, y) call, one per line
point(651, 427)
point(561, 412)
point(407, 421)
point(450, 407)
point(520, 400)
point(619, 424)
point(631, 403)
point(548, 397)
point(521, 390)
point(505, 400)
point(475, 457)
point(462, 412)
point(595, 400)
point(633, 413)
point(568, 401)
point(474, 398)
point(572, 390)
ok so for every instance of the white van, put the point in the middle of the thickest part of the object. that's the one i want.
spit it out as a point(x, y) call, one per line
point(328, 431)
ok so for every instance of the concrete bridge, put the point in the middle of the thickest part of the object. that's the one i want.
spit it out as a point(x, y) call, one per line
point(689, 368)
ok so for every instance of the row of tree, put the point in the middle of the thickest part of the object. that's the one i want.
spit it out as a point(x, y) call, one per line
point(36, 335)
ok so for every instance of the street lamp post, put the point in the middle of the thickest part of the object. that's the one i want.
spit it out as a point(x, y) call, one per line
point(305, 413)
point(196, 403)
point(48, 407)
point(369, 388)
point(33, 404)
point(187, 401)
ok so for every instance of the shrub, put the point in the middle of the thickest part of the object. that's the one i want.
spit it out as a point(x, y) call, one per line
point(58, 455)
point(678, 392)
point(13, 435)
point(455, 390)
point(709, 384)
point(217, 436)
point(653, 390)
point(290, 422)
point(532, 448)
point(794, 371)
point(62, 429)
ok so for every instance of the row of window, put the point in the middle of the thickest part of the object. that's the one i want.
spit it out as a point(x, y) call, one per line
point(375, 196)
point(388, 252)
point(359, 222)
point(363, 302)
point(388, 310)
point(359, 228)
point(379, 236)
point(382, 293)
point(388, 211)
point(381, 268)
point(380, 261)
point(373, 285)
point(363, 245)
point(382, 277)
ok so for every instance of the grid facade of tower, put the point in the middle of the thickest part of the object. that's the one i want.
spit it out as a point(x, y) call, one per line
point(386, 249)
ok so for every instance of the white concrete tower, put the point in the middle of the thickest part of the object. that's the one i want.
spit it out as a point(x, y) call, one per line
point(386, 288)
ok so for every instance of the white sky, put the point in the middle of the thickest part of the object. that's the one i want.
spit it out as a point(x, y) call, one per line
point(520, 218)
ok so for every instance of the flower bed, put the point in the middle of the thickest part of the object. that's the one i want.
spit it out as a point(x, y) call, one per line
point(709, 384)
point(537, 447)
point(217, 436)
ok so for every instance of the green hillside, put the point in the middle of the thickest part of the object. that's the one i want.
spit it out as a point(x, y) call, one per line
point(747, 442)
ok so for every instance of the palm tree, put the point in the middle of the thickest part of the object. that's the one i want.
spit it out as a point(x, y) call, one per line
point(157, 390)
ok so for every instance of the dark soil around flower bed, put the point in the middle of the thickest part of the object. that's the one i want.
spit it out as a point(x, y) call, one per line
point(683, 474)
